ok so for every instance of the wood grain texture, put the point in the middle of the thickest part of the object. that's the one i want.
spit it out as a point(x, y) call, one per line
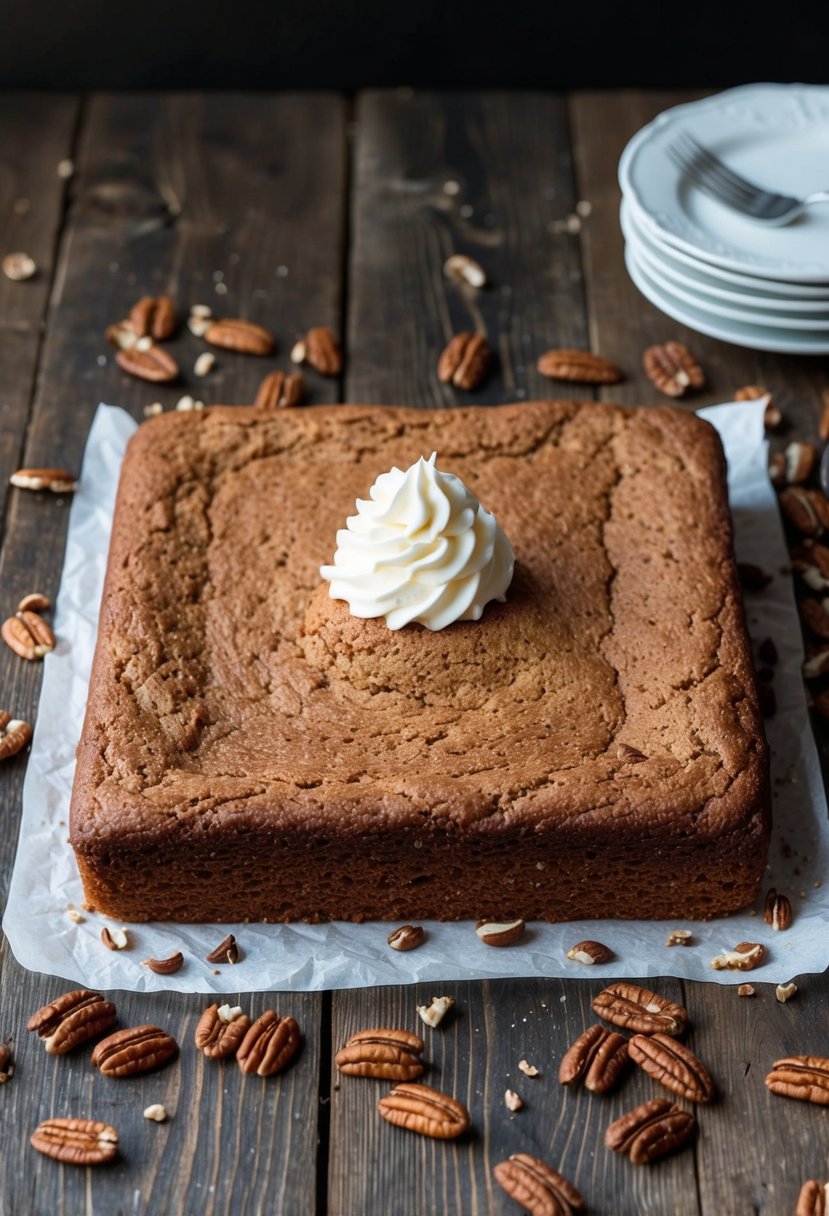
point(178, 195)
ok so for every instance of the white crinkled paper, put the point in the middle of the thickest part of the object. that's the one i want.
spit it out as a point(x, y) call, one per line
point(45, 881)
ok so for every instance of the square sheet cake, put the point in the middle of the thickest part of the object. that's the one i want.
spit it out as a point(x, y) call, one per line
point(591, 747)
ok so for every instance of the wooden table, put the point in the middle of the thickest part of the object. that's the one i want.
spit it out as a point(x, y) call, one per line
point(300, 210)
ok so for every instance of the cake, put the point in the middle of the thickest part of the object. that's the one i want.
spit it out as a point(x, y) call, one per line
point(590, 747)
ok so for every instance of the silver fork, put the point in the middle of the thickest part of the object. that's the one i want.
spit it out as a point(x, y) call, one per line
point(709, 173)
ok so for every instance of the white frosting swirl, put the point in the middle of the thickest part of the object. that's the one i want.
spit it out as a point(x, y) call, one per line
point(421, 548)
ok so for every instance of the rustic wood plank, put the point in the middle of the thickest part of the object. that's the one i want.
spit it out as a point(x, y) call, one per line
point(183, 194)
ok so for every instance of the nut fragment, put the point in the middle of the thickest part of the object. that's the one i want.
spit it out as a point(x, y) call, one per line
point(500, 933)
point(680, 937)
point(14, 735)
point(672, 1065)
point(813, 1199)
point(744, 957)
point(156, 1112)
point(232, 333)
point(322, 351)
point(76, 1141)
point(537, 1187)
point(34, 602)
point(19, 267)
point(777, 910)
point(425, 1111)
point(800, 459)
point(650, 1131)
point(512, 1100)
point(227, 951)
point(751, 392)
point(580, 366)
point(463, 269)
point(784, 992)
point(269, 1045)
point(153, 316)
point(153, 364)
point(434, 1013)
point(71, 1019)
point(299, 351)
point(597, 1058)
point(465, 362)
point(529, 1070)
point(58, 481)
point(590, 952)
point(134, 1050)
point(280, 391)
point(204, 364)
point(745, 990)
point(165, 966)
point(28, 635)
point(628, 1005)
point(673, 369)
point(393, 1055)
point(115, 939)
point(6, 1065)
point(772, 417)
point(630, 755)
point(219, 1035)
point(803, 1077)
point(407, 937)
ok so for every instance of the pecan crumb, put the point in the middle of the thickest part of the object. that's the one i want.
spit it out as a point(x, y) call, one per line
point(434, 1013)
point(785, 992)
point(745, 990)
point(529, 1070)
point(512, 1100)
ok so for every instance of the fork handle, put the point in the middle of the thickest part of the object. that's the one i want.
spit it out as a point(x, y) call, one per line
point(821, 196)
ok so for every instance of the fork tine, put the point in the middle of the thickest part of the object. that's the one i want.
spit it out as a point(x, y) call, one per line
point(715, 165)
point(706, 181)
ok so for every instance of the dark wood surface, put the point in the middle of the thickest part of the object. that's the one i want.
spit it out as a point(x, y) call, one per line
point(312, 211)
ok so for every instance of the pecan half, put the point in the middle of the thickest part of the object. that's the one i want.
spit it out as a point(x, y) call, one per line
point(14, 735)
point(137, 1049)
point(800, 459)
point(322, 351)
point(500, 933)
point(71, 1019)
point(269, 1045)
point(777, 910)
point(813, 1199)
point(425, 1111)
point(165, 966)
point(673, 369)
point(227, 951)
point(597, 1058)
point(652, 1130)
point(153, 364)
point(28, 635)
point(537, 1187)
point(57, 481)
point(807, 510)
point(465, 361)
point(672, 1065)
point(639, 1009)
point(814, 616)
point(590, 952)
point(154, 315)
point(580, 366)
point(231, 333)
point(803, 1077)
point(280, 390)
point(393, 1055)
point(744, 957)
point(407, 937)
point(115, 939)
point(76, 1141)
point(218, 1038)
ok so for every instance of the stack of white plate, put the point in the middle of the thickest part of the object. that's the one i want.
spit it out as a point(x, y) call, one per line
point(710, 267)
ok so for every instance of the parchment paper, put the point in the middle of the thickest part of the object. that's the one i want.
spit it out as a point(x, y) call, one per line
point(314, 957)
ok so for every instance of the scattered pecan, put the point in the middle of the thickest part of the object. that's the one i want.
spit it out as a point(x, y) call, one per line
point(580, 366)
point(76, 1141)
point(753, 578)
point(785, 992)
point(153, 315)
point(537, 1187)
point(156, 1112)
point(744, 957)
point(322, 351)
point(807, 510)
point(465, 361)
point(529, 1070)
point(14, 735)
point(153, 364)
point(513, 1101)
point(19, 266)
point(751, 392)
point(777, 910)
point(434, 1013)
point(803, 1077)
point(800, 459)
point(745, 990)
point(680, 937)
point(34, 602)
point(639, 1009)
point(136, 1049)
point(165, 966)
point(673, 369)
point(218, 1038)
point(245, 337)
point(777, 469)
point(227, 951)
point(500, 933)
point(57, 481)
point(280, 391)
point(6, 1065)
point(407, 937)
point(269, 1045)
point(590, 952)
point(815, 617)
point(773, 419)
point(425, 1111)
point(71, 1019)
point(393, 1055)
point(816, 664)
point(813, 1199)
point(597, 1058)
point(28, 635)
point(463, 269)
point(652, 1130)
point(672, 1065)
point(115, 939)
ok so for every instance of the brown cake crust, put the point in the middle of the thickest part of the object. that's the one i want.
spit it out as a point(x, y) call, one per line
point(252, 751)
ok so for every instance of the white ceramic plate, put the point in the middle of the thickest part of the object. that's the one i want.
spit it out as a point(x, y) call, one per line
point(755, 337)
point(774, 134)
point(723, 284)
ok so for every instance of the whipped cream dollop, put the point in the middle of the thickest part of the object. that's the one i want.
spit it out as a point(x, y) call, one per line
point(420, 548)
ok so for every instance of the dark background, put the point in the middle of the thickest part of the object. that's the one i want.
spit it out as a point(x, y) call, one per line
point(347, 44)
